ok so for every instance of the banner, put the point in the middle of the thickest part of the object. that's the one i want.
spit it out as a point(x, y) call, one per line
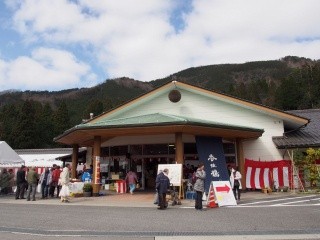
point(268, 174)
point(211, 154)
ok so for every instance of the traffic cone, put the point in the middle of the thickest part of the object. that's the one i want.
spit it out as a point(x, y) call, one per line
point(211, 201)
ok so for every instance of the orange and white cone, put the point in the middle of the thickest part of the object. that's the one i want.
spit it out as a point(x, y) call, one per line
point(211, 201)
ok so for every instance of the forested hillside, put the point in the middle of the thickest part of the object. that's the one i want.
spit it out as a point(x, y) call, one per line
point(31, 119)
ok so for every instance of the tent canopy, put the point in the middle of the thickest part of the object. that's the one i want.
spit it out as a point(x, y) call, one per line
point(8, 157)
point(41, 160)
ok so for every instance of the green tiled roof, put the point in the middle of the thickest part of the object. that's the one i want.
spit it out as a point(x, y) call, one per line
point(159, 119)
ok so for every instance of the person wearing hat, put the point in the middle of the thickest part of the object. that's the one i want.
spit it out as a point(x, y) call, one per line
point(162, 185)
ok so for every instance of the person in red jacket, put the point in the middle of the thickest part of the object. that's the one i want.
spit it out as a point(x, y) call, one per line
point(55, 179)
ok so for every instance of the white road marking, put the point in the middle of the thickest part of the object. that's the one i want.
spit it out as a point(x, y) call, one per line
point(287, 203)
point(277, 200)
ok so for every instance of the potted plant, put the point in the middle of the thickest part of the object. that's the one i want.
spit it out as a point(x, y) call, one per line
point(87, 190)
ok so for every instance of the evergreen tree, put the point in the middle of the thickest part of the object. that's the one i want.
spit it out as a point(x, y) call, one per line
point(46, 128)
point(61, 119)
point(24, 132)
point(8, 118)
point(290, 92)
point(95, 107)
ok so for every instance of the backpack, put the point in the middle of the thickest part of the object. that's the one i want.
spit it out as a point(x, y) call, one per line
point(193, 178)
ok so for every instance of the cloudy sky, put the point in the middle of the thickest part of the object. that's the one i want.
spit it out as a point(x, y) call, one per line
point(60, 44)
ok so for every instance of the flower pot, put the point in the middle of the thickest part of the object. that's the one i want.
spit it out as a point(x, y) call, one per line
point(87, 194)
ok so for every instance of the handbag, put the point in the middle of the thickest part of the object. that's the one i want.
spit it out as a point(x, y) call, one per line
point(137, 186)
point(39, 188)
point(204, 196)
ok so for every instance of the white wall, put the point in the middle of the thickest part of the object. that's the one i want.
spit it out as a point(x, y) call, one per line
point(203, 107)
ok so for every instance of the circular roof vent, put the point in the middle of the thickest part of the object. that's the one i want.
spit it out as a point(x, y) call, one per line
point(174, 96)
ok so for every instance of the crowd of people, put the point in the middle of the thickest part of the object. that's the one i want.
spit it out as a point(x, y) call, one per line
point(55, 180)
point(27, 182)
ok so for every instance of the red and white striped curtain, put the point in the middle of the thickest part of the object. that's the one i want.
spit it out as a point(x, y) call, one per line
point(39, 170)
point(268, 174)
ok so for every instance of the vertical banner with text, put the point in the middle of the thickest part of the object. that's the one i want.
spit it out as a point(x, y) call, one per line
point(210, 152)
point(97, 170)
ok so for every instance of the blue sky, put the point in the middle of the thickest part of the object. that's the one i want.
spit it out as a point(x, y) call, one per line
point(62, 44)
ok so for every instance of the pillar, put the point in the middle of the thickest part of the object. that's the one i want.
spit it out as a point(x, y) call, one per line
point(96, 153)
point(75, 151)
point(240, 158)
point(179, 148)
point(179, 156)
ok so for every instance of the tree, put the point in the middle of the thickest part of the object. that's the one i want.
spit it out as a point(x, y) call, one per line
point(290, 92)
point(46, 126)
point(8, 119)
point(311, 166)
point(307, 161)
point(95, 107)
point(24, 133)
point(61, 119)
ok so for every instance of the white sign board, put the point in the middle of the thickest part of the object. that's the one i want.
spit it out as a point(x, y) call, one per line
point(76, 187)
point(223, 193)
point(175, 173)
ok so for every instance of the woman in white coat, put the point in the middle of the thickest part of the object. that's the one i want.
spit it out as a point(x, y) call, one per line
point(235, 181)
point(64, 181)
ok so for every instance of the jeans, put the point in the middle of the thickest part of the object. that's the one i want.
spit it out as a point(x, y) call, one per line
point(32, 187)
point(132, 187)
point(44, 190)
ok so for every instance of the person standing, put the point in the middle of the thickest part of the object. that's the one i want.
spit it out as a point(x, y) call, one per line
point(11, 181)
point(32, 179)
point(4, 181)
point(55, 181)
point(86, 176)
point(45, 180)
point(52, 184)
point(64, 181)
point(132, 180)
point(235, 181)
point(162, 185)
point(199, 186)
point(21, 182)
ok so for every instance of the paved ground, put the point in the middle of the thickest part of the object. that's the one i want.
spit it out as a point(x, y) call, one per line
point(139, 199)
point(119, 209)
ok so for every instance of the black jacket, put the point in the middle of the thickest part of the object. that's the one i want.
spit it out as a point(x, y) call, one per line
point(162, 183)
point(21, 176)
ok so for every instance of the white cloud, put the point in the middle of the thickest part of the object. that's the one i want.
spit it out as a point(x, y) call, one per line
point(45, 69)
point(136, 39)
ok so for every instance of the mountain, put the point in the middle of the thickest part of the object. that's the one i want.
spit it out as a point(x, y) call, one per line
point(289, 83)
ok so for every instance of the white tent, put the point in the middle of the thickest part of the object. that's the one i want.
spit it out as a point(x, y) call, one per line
point(8, 157)
point(41, 160)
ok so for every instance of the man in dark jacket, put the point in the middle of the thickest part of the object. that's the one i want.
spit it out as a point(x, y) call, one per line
point(162, 185)
point(21, 182)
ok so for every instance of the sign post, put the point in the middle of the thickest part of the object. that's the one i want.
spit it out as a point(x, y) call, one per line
point(175, 175)
point(223, 193)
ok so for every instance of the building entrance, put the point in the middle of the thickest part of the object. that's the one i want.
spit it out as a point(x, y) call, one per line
point(116, 161)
